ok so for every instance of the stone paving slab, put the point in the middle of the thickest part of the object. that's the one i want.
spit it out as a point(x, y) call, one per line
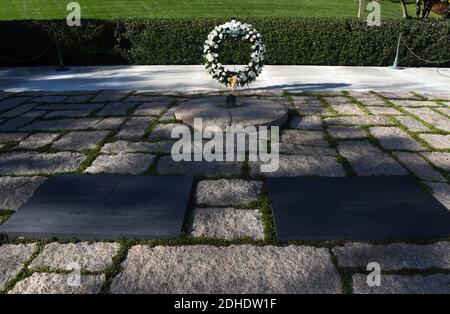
point(61, 124)
point(48, 283)
point(14, 191)
point(437, 140)
point(415, 103)
point(76, 141)
point(227, 223)
point(297, 149)
point(35, 163)
point(152, 108)
point(90, 256)
point(441, 160)
point(227, 192)
point(312, 138)
point(17, 111)
point(38, 140)
point(445, 111)
point(167, 166)
point(367, 160)
point(400, 95)
point(314, 110)
point(224, 270)
point(306, 123)
point(441, 192)
point(412, 124)
point(344, 106)
point(120, 146)
point(397, 284)
point(66, 107)
point(395, 138)
point(134, 128)
point(384, 110)
point(149, 98)
point(169, 114)
point(368, 99)
point(116, 109)
point(163, 131)
point(346, 132)
point(437, 95)
point(49, 99)
point(394, 256)
point(358, 120)
point(419, 166)
point(14, 124)
point(78, 98)
point(302, 165)
point(12, 137)
point(68, 114)
point(300, 101)
point(121, 164)
point(12, 259)
point(9, 103)
point(426, 114)
point(110, 95)
point(109, 123)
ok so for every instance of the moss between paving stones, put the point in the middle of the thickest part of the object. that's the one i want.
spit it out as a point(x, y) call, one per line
point(263, 204)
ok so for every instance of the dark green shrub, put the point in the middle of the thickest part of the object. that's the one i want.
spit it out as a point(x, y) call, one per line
point(315, 41)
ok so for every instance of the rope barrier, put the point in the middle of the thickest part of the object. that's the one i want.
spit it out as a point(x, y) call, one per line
point(419, 57)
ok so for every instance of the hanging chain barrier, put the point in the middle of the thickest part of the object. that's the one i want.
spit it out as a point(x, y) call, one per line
point(419, 57)
point(30, 59)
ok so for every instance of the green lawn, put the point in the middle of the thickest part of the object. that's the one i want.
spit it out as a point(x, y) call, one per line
point(107, 9)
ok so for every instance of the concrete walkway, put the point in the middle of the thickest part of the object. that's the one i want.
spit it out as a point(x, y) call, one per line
point(194, 78)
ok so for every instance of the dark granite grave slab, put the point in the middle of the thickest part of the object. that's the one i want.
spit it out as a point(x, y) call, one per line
point(104, 208)
point(357, 208)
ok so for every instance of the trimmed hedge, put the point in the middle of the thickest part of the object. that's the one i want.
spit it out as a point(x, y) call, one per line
point(313, 41)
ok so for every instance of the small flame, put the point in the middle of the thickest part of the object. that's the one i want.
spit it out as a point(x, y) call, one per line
point(233, 83)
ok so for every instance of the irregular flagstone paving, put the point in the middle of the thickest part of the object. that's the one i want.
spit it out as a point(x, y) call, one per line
point(227, 192)
point(89, 256)
point(120, 146)
point(367, 160)
point(302, 165)
point(76, 141)
point(306, 123)
point(419, 166)
point(121, 164)
point(227, 223)
point(437, 140)
point(232, 269)
point(426, 114)
point(35, 163)
point(395, 256)
point(12, 259)
point(334, 134)
point(14, 191)
point(442, 193)
point(395, 138)
point(38, 140)
point(441, 160)
point(346, 132)
point(45, 283)
point(411, 124)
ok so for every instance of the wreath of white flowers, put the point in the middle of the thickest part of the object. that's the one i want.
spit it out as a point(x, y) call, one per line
point(212, 48)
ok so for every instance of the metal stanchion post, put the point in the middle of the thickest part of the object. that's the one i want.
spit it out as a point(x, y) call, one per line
point(397, 55)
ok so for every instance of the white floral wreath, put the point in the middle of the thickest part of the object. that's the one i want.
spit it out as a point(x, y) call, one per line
point(211, 53)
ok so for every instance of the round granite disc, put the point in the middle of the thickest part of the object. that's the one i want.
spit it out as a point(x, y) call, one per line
point(248, 111)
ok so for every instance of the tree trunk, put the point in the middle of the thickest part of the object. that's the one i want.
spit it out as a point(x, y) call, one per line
point(361, 9)
point(405, 11)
